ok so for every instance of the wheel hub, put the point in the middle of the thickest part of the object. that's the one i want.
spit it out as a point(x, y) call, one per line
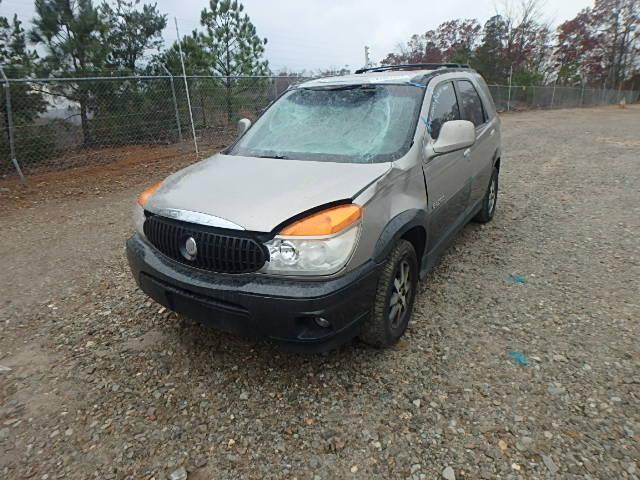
point(492, 196)
point(400, 295)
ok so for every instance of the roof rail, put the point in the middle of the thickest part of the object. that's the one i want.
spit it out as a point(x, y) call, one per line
point(413, 66)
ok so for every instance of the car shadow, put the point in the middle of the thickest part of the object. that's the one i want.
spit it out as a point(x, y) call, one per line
point(209, 353)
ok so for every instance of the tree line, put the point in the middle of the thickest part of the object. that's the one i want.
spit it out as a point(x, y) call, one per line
point(115, 38)
point(599, 47)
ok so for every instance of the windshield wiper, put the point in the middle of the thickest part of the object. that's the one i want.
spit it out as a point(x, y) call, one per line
point(278, 157)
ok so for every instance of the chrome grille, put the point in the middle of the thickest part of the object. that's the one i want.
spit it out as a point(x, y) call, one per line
point(218, 250)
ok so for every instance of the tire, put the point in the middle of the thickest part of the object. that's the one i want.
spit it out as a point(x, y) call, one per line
point(382, 329)
point(490, 200)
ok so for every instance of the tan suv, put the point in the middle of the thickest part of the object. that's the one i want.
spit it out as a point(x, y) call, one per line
point(315, 226)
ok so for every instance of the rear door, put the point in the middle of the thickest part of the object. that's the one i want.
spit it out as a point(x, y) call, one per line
point(480, 154)
point(447, 175)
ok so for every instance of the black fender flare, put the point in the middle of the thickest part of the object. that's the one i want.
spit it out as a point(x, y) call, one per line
point(396, 228)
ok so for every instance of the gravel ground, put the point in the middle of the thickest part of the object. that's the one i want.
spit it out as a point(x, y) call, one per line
point(96, 381)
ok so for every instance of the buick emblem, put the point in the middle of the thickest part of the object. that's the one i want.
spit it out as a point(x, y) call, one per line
point(190, 249)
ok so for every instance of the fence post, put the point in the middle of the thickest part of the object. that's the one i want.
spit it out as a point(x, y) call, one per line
point(553, 94)
point(509, 97)
point(12, 144)
point(582, 96)
point(619, 92)
point(175, 102)
point(186, 87)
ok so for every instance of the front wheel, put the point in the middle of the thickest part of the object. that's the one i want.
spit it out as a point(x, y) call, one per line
point(489, 201)
point(395, 295)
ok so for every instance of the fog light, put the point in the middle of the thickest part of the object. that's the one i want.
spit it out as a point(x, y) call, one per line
point(322, 322)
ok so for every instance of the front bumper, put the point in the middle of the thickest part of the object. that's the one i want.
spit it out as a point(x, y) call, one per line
point(281, 309)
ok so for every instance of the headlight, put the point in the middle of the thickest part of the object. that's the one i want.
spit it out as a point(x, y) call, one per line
point(310, 256)
point(320, 244)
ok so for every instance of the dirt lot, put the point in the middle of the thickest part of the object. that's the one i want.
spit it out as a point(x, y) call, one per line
point(98, 382)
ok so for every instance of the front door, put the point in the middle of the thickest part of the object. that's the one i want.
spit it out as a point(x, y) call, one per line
point(447, 175)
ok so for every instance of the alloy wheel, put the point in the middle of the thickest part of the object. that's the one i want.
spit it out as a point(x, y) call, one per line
point(493, 194)
point(400, 294)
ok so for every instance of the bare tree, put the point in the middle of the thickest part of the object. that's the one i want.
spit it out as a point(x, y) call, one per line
point(600, 44)
point(527, 47)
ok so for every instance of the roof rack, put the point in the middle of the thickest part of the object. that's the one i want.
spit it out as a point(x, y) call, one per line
point(413, 66)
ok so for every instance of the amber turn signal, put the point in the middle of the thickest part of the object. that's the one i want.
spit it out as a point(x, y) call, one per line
point(326, 222)
point(144, 196)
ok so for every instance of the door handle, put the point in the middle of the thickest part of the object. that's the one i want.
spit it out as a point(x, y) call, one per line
point(466, 153)
point(492, 132)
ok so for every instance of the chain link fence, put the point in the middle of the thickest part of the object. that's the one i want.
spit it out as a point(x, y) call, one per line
point(516, 98)
point(54, 124)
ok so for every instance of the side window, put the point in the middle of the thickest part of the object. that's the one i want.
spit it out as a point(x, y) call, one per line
point(444, 107)
point(470, 102)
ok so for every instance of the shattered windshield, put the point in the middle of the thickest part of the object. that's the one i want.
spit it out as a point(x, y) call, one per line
point(350, 123)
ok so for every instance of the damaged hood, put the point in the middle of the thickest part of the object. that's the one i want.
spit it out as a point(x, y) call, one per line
point(258, 194)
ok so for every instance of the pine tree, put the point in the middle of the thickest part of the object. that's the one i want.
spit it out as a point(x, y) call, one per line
point(197, 60)
point(131, 32)
point(489, 56)
point(72, 33)
point(232, 44)
point(26, 103)
point(19, 62)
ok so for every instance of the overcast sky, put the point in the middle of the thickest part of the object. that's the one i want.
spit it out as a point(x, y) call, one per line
point(318, 34)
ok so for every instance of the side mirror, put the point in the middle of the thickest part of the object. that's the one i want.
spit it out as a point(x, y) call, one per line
point(243, 126)
point(455, 135)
